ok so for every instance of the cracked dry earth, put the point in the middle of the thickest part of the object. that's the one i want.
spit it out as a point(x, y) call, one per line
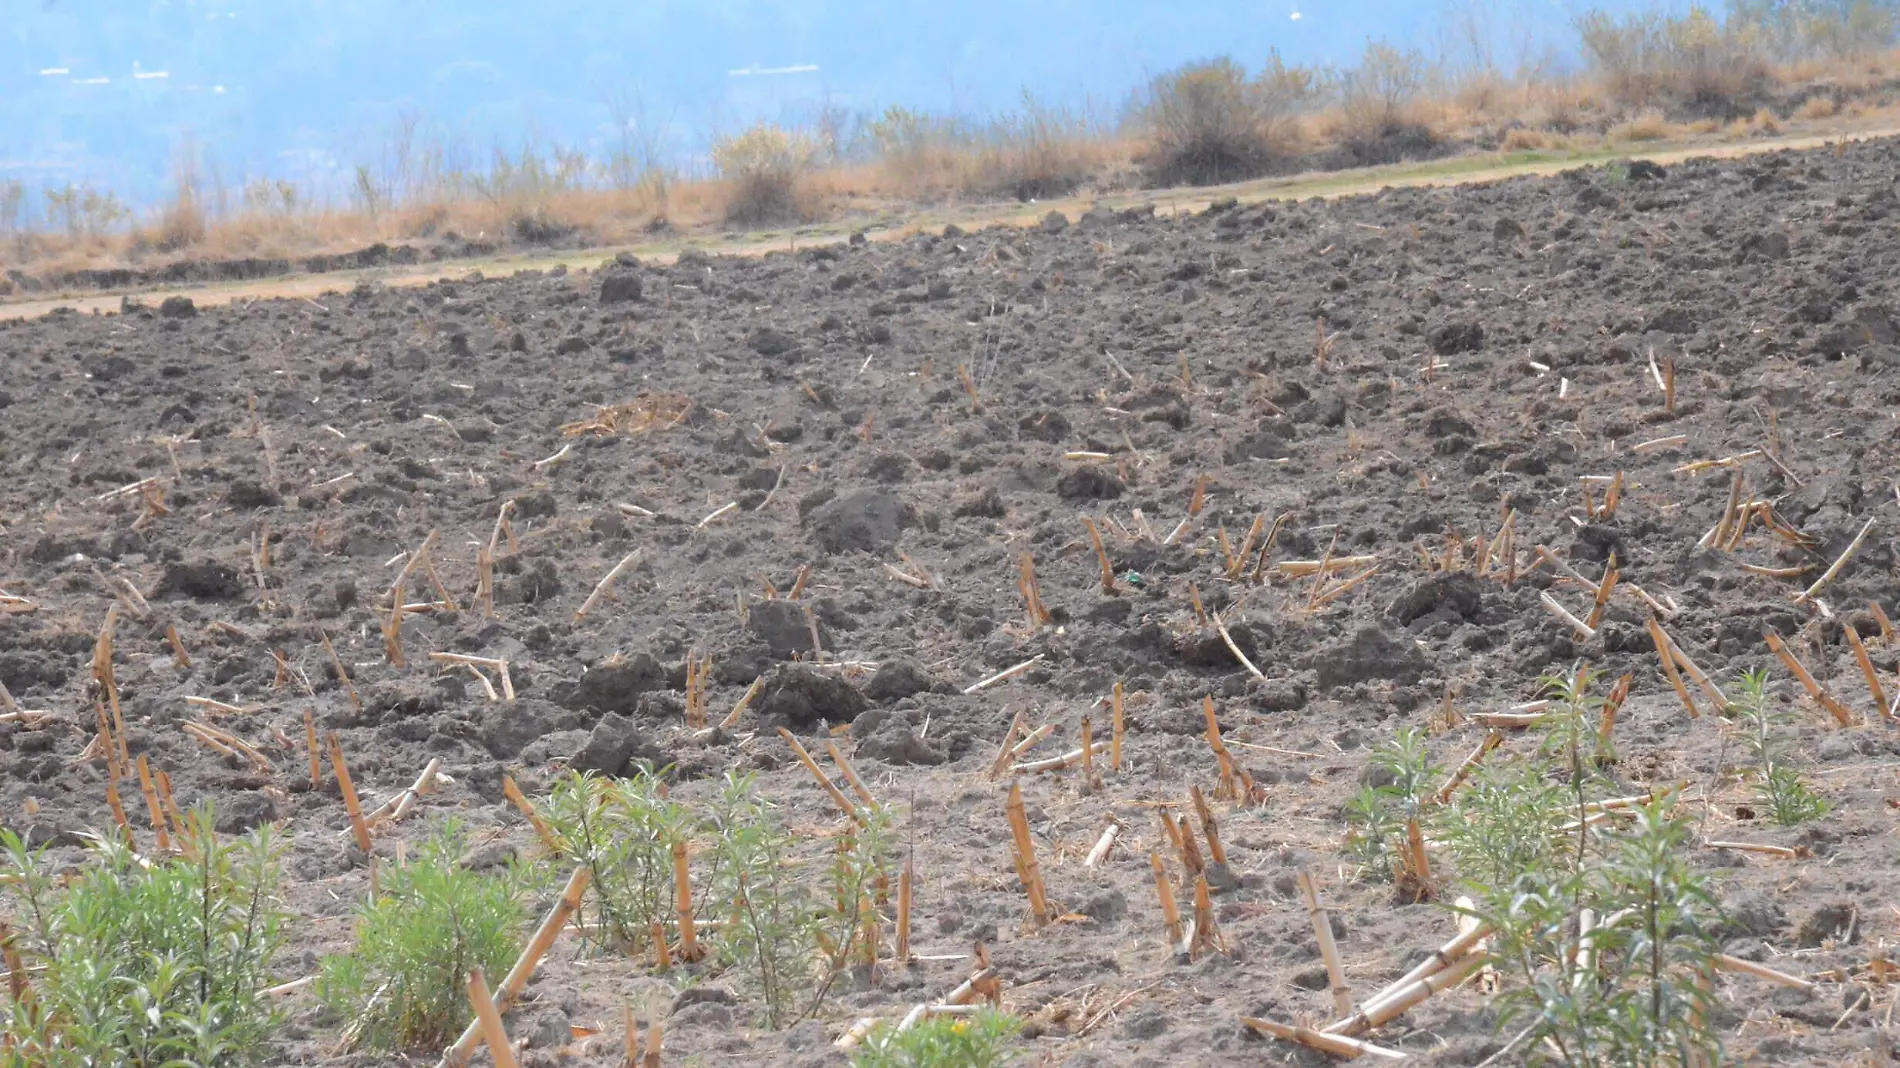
point(1393, 374)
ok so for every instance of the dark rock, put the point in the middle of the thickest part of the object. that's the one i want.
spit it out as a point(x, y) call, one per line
point(244, 493)
point(1144, 1023)
point(1106, 906)
point(620, 287)
point(177, 308)
point(865, 521)
point(985, 503)
point(612, 744)
point(784, 627)
point(899, 745)
point(1752, 913)
point(1595, 542)
point(704, 995)
point(1054, 223)
point(1088, 483)
point(901, 678)
point(1445, 423)
point(1829, 923)
point(1313, 978)
point(804, 697)
point(1220, 878)
point(490, 856)
point(239, 812)
point(508, 728)
point(703, 1015)
point(1454, 337)
point(1370, 653)
point(550, 1030)
point(770, 342)
point(616, 685)
point(571, 344)
point(1448, 594)
point(1672, 320)
point(200, 580)
point(1204, 647)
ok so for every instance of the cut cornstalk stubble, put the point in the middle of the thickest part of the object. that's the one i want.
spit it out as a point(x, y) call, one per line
point(153, 809)
point(1668, 660)
point(457, 1056)
point(744, 702)
point(1016, 726)
point(904, 880)
point(1445, 957)
point(1005, 674)
point(1874, 688)
point(1337, 1045)
point(1834, 569)
point(1170, 911)
point(606, 583)
point(1694, 672)
point(1209, 830)
point(831, 789)
point(1026, 867)
point(1397, 1002)
point(1057, 763)
point(392, 625)
point(1328, 949)
point(1784, 852)
point(350, 803)
point(850, 774)
point(1031, 590)
point(1101, 556)
point(1203, 936)
point(1226, 638)
point(475, 663)
point(541, 828)
point(489, 1020)
point(1303, 568)
point(690, 949)
point(1584, 630)
point(1816, 691)
point(1099, 855)
point(1491, 741)
point(227, 742)
point(397, 808)
point(1760, 971)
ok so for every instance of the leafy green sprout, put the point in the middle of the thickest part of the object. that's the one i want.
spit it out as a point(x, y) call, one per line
point(404, 984)
point(1644, 998)
point(1377, 814)
point(145, 962)
point(981, 1040)
point(1780, 788)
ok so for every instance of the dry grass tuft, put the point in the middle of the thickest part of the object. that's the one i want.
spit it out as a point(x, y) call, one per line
point(1647, 126)
point(762, 169)
point(646, 412)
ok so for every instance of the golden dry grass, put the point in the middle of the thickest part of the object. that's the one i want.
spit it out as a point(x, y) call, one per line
point(1037, 156)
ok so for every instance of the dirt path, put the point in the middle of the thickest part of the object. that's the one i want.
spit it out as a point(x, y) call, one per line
point(1461, 170)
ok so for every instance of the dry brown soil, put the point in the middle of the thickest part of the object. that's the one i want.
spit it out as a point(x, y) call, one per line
point(1486, 349)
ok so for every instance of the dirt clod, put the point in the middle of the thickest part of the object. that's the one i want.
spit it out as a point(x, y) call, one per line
point(866, 521)
point(803, 696)
point(616, 686)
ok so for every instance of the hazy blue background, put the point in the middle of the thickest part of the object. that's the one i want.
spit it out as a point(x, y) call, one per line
point(111, 92)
